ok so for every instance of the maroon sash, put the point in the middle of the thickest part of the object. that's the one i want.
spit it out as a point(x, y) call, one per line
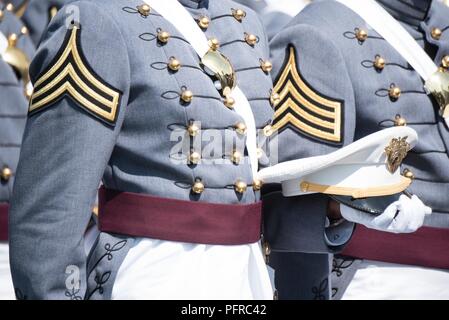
point(427, 247)
point(141, 215)
point(3, 222)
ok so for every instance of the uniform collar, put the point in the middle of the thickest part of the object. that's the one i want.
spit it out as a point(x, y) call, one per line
point(194, 4)
point(411, 12)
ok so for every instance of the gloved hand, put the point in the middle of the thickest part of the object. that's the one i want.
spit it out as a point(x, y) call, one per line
point(403, 216)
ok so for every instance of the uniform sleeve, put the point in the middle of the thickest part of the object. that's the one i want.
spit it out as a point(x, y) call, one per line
point(314, 115)
point(81, 81)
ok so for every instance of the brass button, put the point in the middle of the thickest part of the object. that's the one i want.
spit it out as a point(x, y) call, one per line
point(399, 121)
point(408, 174)
point(24, 30)
point(250, 39)
point(163, 36)
point(266, 66)
point(6, 174)
point(10, 7)
point(436, 33)
point(214, 44)
point(240, 128)
point(194, 157)
point(198, 187)
point(266, 249)
point(236, 157)
point(361, 35)
point(12, 40)
point(238, 14)
point(187, 96)
point(379, 63)
point(257, 185)
point(240, 186)
point(229, 102)
point(275, 98)
point(394, 92)
point(204, 22)
point(268, 131)
point(174, 64)
point(53, 11)
point(144, 10)
point(193, 130)
point(445, 62)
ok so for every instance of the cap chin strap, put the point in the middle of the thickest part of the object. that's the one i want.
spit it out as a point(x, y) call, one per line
point(181, 19)
point(398, 37)
point(356, 193)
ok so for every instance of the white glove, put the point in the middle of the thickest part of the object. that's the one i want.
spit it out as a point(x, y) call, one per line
point(403, 216)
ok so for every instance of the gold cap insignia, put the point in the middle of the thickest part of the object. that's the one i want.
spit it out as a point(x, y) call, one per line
point(396, 152)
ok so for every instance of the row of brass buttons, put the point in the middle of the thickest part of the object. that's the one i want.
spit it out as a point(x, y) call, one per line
point(239, 127)
point(379, 62)
point(239, 186)
point(187, 95)
point(238, 14)
point(361, 34)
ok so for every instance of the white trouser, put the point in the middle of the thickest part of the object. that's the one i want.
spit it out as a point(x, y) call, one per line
point(376, 280)
point(155, 269)
point(6, 286)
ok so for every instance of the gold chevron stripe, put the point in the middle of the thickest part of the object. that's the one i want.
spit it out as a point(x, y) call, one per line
point(290, 104)
point(306, 104)
point(291, 119)
point(290, 88)
point(41, 98)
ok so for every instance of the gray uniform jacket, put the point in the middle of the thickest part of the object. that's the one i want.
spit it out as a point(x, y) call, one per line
point(334, 56)
point(128, 142)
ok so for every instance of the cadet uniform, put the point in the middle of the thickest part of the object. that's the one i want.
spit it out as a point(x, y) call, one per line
point(14, 62)
point(122, 97)
point(341, 81)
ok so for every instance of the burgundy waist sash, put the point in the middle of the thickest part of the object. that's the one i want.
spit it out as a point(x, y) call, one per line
point(3, 222)
point(427, 247)
point(141, 215)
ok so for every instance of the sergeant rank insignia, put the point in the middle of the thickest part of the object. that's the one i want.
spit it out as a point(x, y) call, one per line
point(70, 75)
point(303, 109)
